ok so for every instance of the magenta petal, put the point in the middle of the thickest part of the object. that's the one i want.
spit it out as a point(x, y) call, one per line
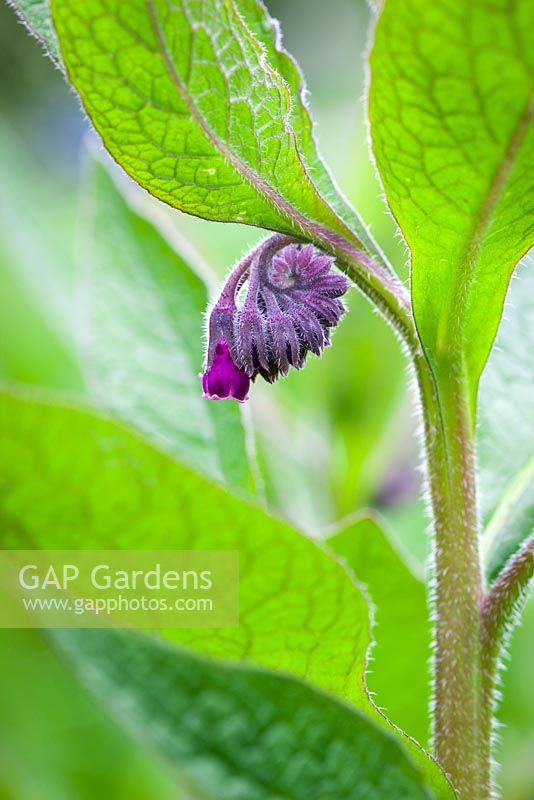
point(224, 379)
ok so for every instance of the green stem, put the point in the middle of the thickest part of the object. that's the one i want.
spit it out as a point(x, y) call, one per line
point(466, 645)
point(457, 578)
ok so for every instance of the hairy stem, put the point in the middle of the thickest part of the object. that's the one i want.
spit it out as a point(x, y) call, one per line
point(458, 590)
point(457, 578)
point(461, 741)
point(506, 594)
point(499, 610)
point(469, 625)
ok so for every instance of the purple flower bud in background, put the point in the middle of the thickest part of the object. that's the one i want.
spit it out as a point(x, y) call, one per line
point(292, 301)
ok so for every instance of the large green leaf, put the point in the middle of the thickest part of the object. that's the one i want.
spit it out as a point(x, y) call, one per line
point(72, 479)
point(398, 673)
point(451, 110)
point(69, 479)
point(267, 32)
point(186, 101)
point(506, 430)
point(142, 344)
point(243, 734)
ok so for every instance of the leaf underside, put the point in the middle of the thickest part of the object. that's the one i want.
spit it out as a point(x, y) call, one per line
point(36, 16)
point(238, 733)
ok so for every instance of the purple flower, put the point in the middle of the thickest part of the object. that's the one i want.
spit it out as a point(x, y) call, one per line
point(224, 379)
point(291, 303)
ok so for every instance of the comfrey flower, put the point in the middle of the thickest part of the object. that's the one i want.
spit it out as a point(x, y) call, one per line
point(291, 303)
point(224, 378)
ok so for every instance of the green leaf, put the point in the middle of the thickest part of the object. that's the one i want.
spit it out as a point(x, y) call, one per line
point(506, 429)
point(73, 479)
point(267, 32)
point(37, 316)
point(143, 335)
point(36, 16)
point(186, 102)
point(69, 479)
point(398, 675)
point(31, 351)
point(451, 110)
point(242, 734)
point(86, 753)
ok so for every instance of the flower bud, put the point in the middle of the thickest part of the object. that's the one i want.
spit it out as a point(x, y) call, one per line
point(291, 303)
point(224, 379)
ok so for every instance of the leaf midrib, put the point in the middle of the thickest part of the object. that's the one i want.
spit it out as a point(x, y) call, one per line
point(295, 217)
point(452, 321)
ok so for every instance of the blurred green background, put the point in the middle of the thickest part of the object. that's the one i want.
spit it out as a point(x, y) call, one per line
point(341, 434)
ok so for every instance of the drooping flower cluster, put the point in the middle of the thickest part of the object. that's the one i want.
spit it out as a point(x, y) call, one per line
point(291, 303)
